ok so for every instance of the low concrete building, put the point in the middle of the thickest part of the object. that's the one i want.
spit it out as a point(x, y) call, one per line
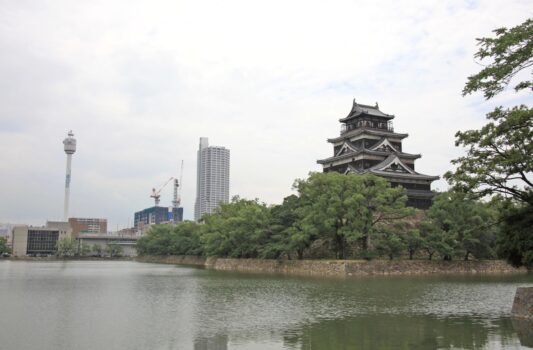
point(38, 241)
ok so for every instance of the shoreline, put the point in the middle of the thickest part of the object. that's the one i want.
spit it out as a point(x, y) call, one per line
point(319, 268)
point(341, 268)
point(54, 258)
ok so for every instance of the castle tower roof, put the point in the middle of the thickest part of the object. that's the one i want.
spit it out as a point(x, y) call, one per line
point(361, 110)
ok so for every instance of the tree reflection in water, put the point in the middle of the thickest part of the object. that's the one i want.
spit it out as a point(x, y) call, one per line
point(404, 332)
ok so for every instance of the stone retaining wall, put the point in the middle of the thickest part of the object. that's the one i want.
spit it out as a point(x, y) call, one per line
point(523, 303)
point(173, 259)
point(422, 267)
point(293, 267)
point(342, 268)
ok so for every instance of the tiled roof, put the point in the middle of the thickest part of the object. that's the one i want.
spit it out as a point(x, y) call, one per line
point(361, 109)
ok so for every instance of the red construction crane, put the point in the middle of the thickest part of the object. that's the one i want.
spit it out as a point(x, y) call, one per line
point(156, 194)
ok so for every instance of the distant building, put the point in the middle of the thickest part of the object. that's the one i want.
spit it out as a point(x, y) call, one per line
point(87, 226)
point(176, 214)
point(150, 216)
point(368, 144)
point(212, 178)
point(29, 240)
point(127, 232)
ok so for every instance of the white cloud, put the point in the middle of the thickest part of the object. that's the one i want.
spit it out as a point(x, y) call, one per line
point(139, 82)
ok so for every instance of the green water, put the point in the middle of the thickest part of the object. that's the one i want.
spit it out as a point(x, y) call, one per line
point(129, 305)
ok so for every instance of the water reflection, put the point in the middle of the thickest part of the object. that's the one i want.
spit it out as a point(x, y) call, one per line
point(218, 342)
point(403, 332)
point(524, 329)
point(127, 305)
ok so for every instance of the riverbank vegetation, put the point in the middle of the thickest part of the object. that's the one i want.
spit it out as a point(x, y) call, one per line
point(338, 216)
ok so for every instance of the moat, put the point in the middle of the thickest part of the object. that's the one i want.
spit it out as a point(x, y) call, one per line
point(131, 305)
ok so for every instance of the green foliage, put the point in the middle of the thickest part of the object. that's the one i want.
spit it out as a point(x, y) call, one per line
point(343, 209)
point(515, 242)
point(183, 239)
point(433, 240)
point(97, 249)
point(3, 246)
point(114, 250)
point(511, 51)
point(340, 211)
point(466, 226)
point(238, 229)
point(70, 247)
point(498, 158)
point(66, 247)
point(389, 242)
point(284, 237)
point(413, 241)
point(83, 249)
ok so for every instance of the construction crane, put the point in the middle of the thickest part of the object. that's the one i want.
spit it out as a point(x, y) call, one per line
point(177, 189)
point(156, 194)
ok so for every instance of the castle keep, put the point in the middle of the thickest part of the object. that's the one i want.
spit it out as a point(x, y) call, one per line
point(368, 144)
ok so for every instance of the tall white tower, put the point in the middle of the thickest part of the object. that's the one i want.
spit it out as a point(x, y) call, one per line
point(70, 148)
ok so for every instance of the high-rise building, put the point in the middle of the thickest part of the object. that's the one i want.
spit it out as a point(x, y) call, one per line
point(212, 178)
point(368, 144)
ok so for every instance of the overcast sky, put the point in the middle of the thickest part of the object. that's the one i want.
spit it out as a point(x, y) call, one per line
point(140, 81)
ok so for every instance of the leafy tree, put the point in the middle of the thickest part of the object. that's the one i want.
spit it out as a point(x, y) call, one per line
point(516, 238)
point(465, 224)
point(238, 229)
point(114, 250)
point(511, 51)
point(157, 241)
point(83, 249)
point(499, 158)
point(97, 249)
point(388, 241)
point(3, 246)
point(185, 239)
point(413, 241)
point(349, 208)
point(66, 247)
point(432, 238)
point(283, 238)
point(182, 239)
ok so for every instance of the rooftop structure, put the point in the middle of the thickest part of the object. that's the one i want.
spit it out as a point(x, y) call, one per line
point(368, 144)
point(212, 178)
